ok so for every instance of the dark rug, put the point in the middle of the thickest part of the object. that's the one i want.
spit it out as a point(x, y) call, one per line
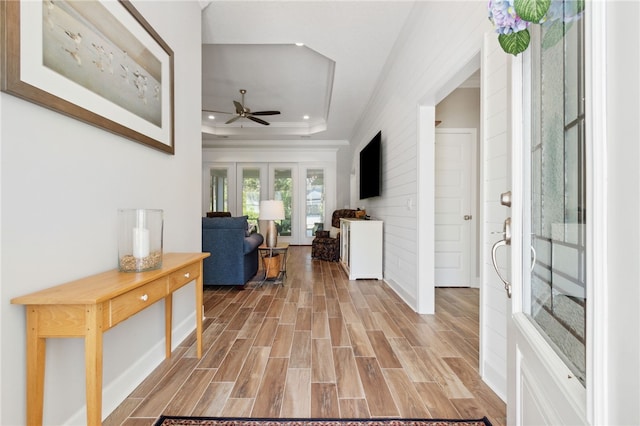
point(230, 421)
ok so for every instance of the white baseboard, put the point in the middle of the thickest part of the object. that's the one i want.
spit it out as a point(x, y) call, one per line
point(496, 381)
point(409, 299)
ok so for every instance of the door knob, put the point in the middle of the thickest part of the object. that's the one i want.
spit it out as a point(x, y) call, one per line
point(468, 217)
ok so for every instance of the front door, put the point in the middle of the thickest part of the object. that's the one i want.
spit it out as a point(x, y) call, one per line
point(547, 331)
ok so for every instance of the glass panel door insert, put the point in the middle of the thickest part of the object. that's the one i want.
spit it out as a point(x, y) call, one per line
point(283, 190)
point(251, 194)
point(314, 202)
point(556, 297)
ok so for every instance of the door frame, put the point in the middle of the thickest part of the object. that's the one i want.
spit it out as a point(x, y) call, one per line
point(425, 293)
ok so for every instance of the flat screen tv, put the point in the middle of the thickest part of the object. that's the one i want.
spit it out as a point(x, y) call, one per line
point(371, 168)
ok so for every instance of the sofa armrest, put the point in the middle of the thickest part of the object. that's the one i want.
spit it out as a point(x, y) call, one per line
point(252, 242)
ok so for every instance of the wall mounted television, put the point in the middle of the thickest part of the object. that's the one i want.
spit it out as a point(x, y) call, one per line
point(371, 168)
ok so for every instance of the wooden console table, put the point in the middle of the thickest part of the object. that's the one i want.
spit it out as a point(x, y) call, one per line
point(90, 306)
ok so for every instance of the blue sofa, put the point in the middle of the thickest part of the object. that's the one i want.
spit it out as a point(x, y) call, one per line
point(234, 252)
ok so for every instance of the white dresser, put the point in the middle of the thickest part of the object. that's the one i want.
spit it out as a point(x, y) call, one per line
point(361, 248)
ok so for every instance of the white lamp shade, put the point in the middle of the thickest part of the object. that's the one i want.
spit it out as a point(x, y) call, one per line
point(271, 210)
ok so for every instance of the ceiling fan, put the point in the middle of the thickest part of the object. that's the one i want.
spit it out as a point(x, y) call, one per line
point(244, 112)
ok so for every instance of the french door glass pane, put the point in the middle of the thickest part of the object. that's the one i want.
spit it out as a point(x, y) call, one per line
point(314, 210)
point(251, 194)
point(219, 186)
point(556, 299)
point(283, 190)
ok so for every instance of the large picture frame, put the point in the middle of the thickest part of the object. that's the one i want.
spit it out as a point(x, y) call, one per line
point(97, 61)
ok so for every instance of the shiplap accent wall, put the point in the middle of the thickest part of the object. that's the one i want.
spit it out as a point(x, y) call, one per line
point(494, 181)
point(437, 41)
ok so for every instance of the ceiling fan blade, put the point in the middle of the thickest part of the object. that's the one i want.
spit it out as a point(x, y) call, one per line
point(231, 120)
point(257, 120)
point(239, 107)
point(265, 113)
point(217, 112)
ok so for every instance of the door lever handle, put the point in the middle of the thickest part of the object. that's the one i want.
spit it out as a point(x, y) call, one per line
point(504, 242)
point(494, 249)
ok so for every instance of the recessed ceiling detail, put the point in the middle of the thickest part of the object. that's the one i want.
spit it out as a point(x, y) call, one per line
point(303, 86)
point(241, 50)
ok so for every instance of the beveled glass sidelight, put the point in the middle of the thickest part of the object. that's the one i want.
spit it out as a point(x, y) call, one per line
point(140, 239)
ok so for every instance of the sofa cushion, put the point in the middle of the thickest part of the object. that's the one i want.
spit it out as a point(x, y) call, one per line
point(239, 222)
point(252, 242)
point(334, 232)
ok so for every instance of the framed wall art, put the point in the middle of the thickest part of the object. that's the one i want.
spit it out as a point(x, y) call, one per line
point(97, 61)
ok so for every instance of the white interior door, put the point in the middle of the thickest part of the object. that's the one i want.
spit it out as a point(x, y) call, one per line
point(549, 250)
point(454, 209)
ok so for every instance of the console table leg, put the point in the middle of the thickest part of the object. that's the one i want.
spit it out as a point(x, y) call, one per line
point(199, 311)
point(168, 317)
point(36, 350)
point(93, 364)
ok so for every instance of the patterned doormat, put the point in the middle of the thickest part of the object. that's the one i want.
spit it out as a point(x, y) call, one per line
point(230, 421)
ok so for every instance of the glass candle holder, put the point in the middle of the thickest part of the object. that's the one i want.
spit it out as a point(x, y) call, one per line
point(139, 239)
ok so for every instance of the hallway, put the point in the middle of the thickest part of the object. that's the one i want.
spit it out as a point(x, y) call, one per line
point(322, 347)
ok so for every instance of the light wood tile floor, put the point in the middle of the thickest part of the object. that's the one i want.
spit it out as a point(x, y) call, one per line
point(322, 346)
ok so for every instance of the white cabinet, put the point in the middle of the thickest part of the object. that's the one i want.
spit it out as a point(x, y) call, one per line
point(361, 248)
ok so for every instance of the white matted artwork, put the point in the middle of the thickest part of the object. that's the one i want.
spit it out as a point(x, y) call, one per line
point(97, 61)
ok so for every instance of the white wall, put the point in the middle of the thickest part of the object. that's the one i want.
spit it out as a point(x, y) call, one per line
point(62, 183)
point(460, 109)
point(439, 38)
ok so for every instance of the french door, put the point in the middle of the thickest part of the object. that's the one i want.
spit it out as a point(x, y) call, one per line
point(283, 183)
point(252, 187)
point(549, 226)
point(219, 182)
point(302, 187)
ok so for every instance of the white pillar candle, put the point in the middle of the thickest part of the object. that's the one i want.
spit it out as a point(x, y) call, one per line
point(141, 218)
point(140, 242)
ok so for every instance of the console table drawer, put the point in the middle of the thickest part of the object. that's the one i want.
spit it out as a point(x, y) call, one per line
point(183, 276)
point(127, 304)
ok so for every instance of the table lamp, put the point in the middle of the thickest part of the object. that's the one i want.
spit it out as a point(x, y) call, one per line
point(271, 210)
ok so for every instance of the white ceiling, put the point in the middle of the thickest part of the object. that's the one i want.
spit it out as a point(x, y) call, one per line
point(251, 45)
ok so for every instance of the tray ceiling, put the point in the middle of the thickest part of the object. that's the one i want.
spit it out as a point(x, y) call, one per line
point(252, 45)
